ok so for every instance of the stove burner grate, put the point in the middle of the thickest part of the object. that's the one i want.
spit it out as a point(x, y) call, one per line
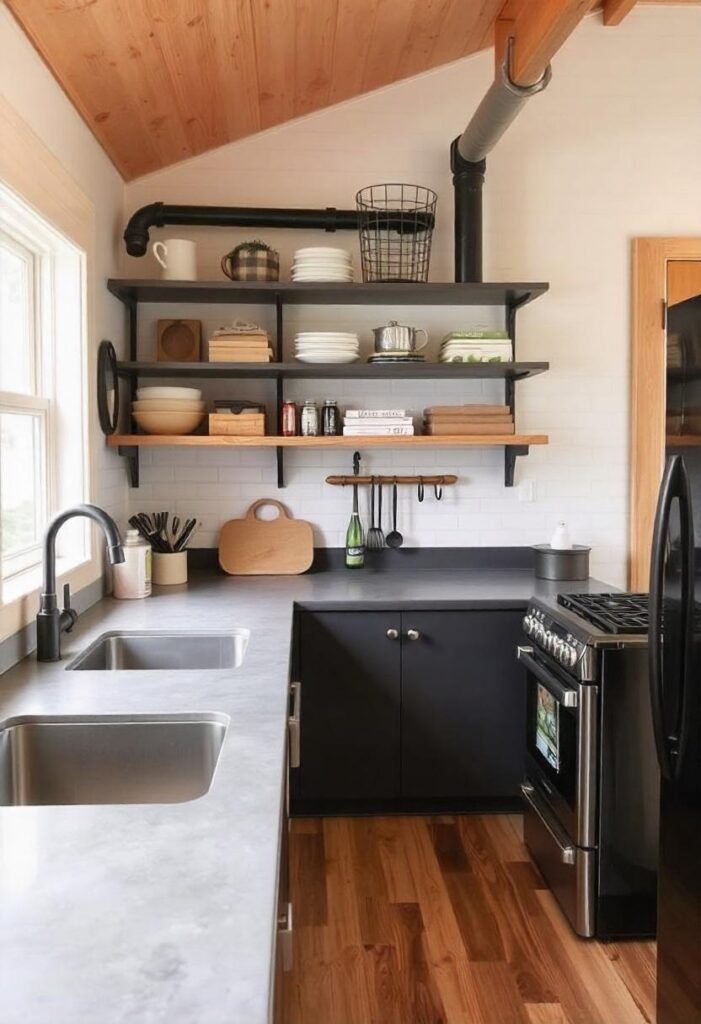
point(613, 613)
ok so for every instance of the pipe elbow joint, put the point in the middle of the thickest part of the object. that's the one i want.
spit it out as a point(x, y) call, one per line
point(136, 233)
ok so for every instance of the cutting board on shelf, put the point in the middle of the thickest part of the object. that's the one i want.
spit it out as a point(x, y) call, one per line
point(282, 546)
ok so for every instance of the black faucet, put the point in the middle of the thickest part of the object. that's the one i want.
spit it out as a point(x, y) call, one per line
point(50, 621)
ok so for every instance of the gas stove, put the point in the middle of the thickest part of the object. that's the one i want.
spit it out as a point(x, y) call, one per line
point(572, 630)
point(613, 613)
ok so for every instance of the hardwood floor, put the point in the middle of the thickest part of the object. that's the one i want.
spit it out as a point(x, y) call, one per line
point(444, 921)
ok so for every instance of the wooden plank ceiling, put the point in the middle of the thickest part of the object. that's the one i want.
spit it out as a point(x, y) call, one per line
point(161, 80)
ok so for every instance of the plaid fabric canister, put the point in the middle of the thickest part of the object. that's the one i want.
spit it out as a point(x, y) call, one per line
point(252, 265)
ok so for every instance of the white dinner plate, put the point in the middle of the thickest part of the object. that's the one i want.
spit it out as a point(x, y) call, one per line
point(322, 250)
point(326, 357)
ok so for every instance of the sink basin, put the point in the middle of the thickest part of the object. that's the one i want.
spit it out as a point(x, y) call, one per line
point(143, 651)
point(112, 759)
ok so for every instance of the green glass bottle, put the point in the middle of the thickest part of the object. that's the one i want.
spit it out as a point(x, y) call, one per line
point(355, 537)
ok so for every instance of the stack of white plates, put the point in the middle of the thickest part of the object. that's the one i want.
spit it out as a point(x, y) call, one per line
point(169, 410)
point(326, 347)
point(322, 263)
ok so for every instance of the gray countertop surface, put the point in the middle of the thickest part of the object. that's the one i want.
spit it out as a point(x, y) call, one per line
point(166, 912)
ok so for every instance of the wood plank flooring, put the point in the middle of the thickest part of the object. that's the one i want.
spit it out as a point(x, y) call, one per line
point(444, 920)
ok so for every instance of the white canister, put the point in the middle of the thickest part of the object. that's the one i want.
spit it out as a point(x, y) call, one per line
point(178, 258)
point(169, 568)
point(132, 577)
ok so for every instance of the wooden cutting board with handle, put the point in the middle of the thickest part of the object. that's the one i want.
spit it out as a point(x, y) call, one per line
point(266, 547)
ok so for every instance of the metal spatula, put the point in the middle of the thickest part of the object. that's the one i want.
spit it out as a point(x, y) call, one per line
point(375, 539)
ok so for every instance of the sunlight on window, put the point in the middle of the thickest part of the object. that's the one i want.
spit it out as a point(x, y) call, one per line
point(16, 327)
point(20, 483)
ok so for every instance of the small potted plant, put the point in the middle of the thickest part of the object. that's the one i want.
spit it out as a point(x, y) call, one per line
point(252, 261)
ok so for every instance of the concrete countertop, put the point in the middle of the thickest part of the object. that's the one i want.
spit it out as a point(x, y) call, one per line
point(166, 912)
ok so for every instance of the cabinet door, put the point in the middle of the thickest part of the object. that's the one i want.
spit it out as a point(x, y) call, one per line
point(463, 705)
point(349, 669)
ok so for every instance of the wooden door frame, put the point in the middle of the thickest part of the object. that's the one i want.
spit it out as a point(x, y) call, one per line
point(648, 389)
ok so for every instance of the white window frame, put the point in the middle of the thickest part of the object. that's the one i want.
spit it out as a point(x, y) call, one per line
point(31, 171)
point(28, 232)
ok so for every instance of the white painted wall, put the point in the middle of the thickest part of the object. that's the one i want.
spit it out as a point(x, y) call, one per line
point(30, 88)
point(612, 150)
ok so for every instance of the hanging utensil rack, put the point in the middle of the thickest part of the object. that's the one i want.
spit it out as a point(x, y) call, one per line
point(442, 480)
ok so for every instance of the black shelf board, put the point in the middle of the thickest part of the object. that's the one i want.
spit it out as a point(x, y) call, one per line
point(443, 293)
point(335, 371)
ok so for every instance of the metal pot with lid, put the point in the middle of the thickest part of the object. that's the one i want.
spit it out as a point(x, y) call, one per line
point(396, 337)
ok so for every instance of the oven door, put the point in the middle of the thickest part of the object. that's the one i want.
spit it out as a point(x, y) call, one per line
point(561, 743)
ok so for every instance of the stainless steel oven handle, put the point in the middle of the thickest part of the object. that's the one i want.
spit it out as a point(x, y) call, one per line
point(565, 696)
point(568, 853)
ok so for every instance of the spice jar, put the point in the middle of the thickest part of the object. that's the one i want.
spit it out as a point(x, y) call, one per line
point(309, 426)
point(289, 419)
point(330, 418)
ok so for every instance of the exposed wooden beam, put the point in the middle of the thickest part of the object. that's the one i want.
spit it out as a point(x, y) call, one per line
point(616, 10)
point(539, 28)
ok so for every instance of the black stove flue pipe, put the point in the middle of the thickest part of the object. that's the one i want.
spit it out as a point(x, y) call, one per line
point(157, 215)
point(468, 183)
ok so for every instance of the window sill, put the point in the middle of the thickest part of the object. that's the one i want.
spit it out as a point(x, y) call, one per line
point(28, 582)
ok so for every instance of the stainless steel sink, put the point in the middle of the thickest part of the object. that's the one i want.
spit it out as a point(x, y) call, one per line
point(144, 651)
point(112, 759)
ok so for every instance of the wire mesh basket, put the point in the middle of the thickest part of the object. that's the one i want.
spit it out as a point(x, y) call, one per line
point(395, 222)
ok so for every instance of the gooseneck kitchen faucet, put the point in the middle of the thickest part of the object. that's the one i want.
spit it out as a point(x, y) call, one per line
point(50, 621)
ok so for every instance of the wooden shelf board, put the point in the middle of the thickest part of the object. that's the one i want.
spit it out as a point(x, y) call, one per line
point(343, 371)
point(684, 440)
point(440, 293)
point(418, 441)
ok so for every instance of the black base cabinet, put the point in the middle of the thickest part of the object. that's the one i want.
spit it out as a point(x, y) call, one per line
point(349, 738)
point(409, 711)
point(463, 705)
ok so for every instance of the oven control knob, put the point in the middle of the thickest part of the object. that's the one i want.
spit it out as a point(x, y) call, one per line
point(549, 641)
point(526, 625)
point(572, 657)
point(558, 648)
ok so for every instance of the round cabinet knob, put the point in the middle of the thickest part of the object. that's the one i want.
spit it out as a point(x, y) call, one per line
point(392, 634)
point(413, 634)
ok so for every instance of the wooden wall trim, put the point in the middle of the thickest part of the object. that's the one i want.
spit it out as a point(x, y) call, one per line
point(648, 372)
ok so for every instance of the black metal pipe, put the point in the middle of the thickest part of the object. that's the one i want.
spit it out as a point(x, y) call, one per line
point(136, 233)
point(468, 183)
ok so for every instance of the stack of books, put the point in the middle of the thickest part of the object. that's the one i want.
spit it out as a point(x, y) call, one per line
point(476, 346)
point(240, 343)
point(459, 420)
point(377, 423)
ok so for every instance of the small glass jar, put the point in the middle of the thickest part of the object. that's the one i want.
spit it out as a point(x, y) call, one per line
point(309, 425)
point(289, 419)
point(330, 418)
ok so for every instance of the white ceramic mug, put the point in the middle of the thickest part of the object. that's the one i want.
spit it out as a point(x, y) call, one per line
point(178, 257)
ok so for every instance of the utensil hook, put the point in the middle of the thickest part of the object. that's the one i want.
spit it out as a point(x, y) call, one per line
point(421, 489)
point(356, 463)
point(438, 490)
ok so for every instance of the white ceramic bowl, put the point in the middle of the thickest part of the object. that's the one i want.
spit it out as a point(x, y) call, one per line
point(168, 405)
point(169, 422)
point(192, 394)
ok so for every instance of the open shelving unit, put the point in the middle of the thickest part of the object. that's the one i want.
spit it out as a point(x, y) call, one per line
point(511, 297)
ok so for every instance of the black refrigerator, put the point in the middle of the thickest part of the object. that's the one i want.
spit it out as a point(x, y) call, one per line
point(675, 675)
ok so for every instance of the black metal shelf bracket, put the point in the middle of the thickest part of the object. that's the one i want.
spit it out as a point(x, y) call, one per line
point(131, 453)
point(511, 453)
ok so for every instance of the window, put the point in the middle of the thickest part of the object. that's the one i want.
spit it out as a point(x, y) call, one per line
point(42, 450)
